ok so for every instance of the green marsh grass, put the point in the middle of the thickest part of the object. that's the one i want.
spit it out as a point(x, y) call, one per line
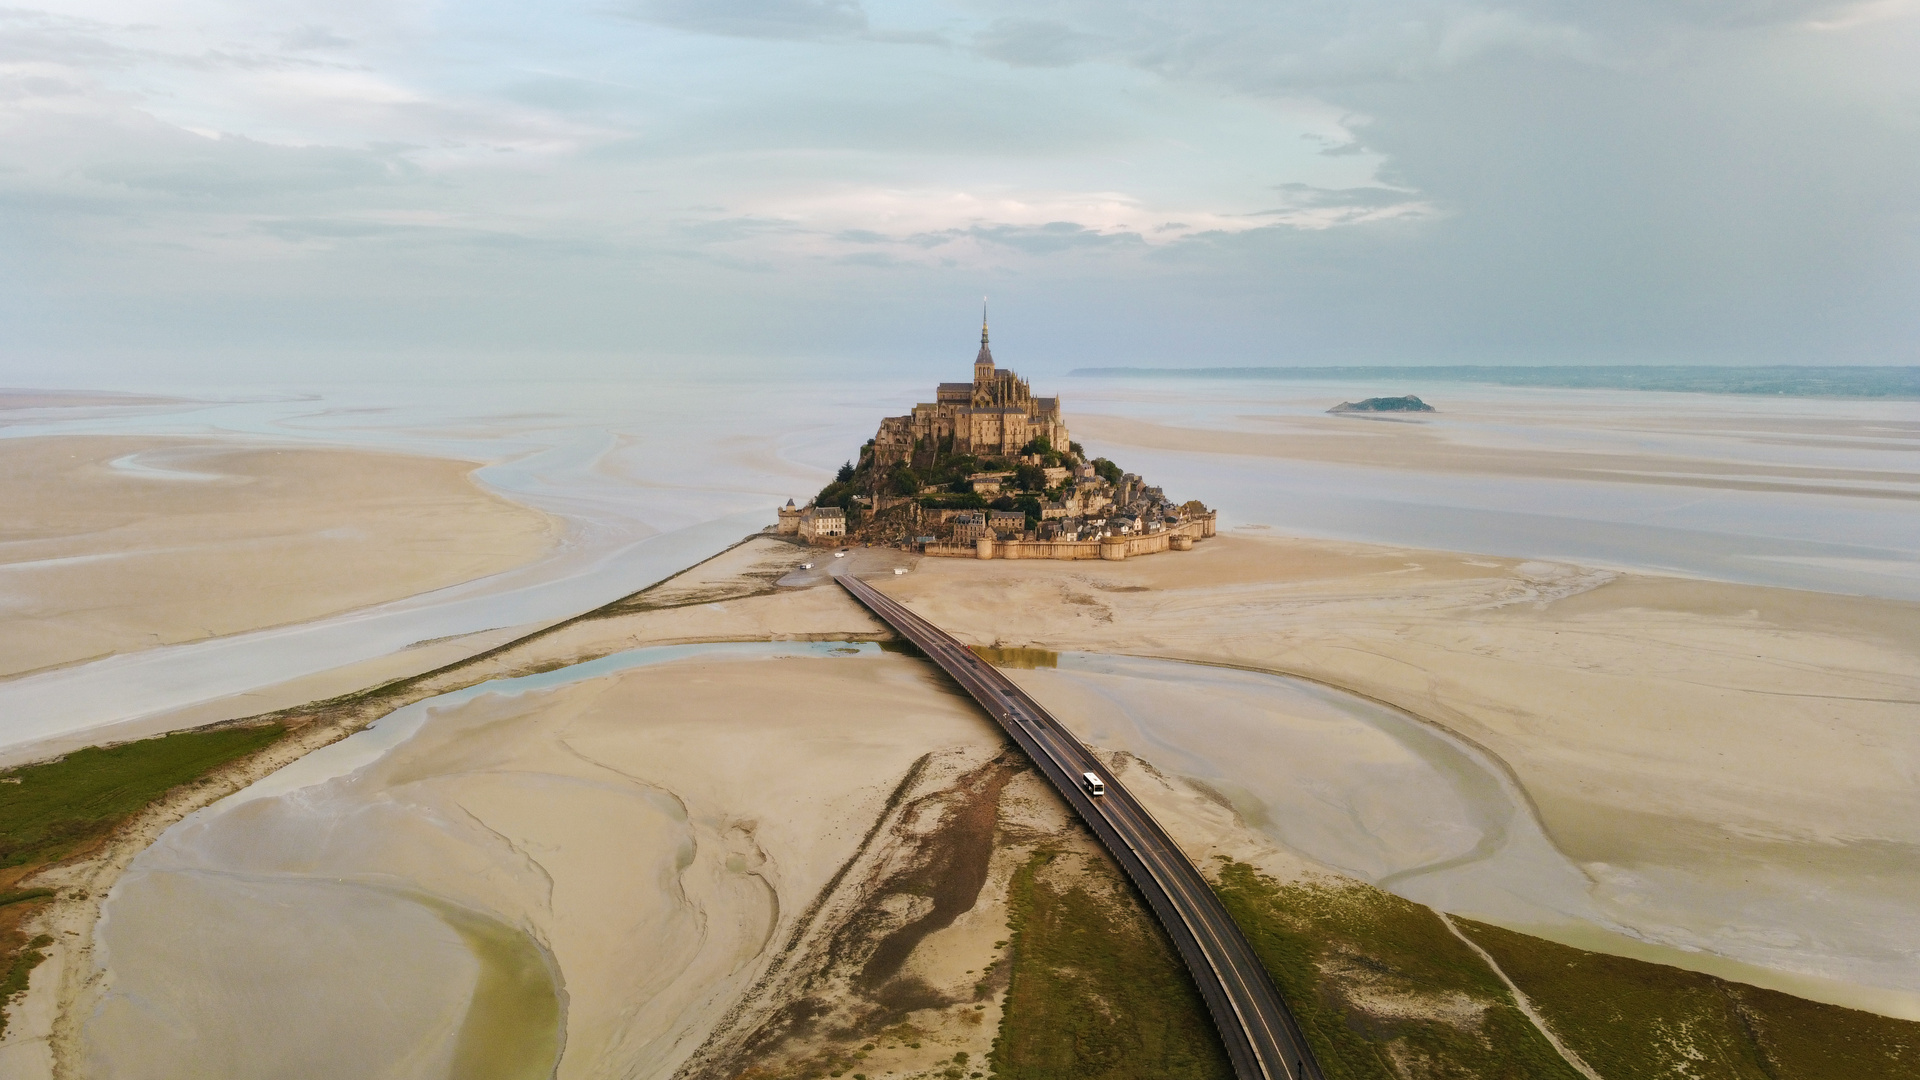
point(53, 809)
point(1630, 1018)
point(1096, 990)
point(1382, 988)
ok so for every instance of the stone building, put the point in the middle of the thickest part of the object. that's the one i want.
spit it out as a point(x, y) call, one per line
point(1006, 522)
point(822, 523)
point(789, 519)
point(995, 415)
point(969, 527)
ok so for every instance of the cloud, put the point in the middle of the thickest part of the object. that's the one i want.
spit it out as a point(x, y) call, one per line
point(1035, 43)
point(1052, 237)
point(232, 168)
point(783, 19)
point(1405, 179)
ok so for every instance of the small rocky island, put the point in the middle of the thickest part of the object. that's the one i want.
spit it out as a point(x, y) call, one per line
point(986, 470)
point(1409, 403)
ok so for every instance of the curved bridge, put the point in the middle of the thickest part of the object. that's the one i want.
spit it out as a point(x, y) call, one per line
point(1261, 1037)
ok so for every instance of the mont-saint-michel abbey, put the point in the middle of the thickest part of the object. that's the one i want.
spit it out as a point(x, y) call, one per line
point(987, 470)
point(995, 415)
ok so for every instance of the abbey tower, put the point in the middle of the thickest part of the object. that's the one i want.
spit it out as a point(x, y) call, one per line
point(996, 415)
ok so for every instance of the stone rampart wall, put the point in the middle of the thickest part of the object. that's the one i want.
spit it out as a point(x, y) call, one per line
point(1113, 548)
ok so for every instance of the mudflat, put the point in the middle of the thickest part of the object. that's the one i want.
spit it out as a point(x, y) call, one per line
point(1730, 766)
point(653, 835)
point(720, 861)
point(113, 544)
point(1473, 444)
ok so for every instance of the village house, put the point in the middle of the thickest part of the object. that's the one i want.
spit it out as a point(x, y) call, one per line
point(822, 524)
point(1006, 522)
point(969, 527)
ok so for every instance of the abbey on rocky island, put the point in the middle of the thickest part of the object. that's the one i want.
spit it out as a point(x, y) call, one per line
point(995, 415)
point(988, 471)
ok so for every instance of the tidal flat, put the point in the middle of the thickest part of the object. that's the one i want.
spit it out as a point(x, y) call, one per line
point(1620, 764)
point(704, 847)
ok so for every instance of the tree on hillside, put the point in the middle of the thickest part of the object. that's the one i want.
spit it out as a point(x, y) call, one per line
point(1029, 506)
point(845, 474)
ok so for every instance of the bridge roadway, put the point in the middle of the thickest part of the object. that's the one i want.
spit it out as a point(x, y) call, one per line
point(1261, 1037)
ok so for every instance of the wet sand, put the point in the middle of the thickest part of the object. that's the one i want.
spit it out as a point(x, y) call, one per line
point(112, 545)
point(1787, 492)
point(648, 833)
point(1406, 442)
point(1656, 735)
point(1732, 767)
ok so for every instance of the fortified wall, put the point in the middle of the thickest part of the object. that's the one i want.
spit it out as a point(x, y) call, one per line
point(1111, 548)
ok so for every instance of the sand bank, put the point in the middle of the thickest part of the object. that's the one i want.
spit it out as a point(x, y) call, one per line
point(113, 544)
point(1663, 732)
point(653, 833)
point(1404, 443)
point(1731, 766)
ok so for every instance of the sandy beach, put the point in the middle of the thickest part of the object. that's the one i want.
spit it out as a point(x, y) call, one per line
point(116, 544)
point(1713, 775)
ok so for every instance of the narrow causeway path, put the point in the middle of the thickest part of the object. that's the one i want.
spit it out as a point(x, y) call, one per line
point(1262, 1039)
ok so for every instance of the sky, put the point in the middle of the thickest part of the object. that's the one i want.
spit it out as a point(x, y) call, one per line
point(220, 190)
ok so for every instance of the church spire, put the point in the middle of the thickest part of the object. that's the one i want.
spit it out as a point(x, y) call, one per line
point(983, 363)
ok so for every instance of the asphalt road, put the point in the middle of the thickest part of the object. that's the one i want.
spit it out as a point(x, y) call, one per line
point(1261, 1037)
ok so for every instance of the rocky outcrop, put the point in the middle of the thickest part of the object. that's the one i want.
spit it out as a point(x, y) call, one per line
point(1408, 403)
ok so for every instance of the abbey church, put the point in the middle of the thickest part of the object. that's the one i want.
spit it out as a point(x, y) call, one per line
point(995, 415)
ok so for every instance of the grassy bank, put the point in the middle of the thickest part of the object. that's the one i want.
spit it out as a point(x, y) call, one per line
point(1629, 1018)
point(1384, 991)
point(1096, 991)
point(56, 809)
point(1381, 986)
